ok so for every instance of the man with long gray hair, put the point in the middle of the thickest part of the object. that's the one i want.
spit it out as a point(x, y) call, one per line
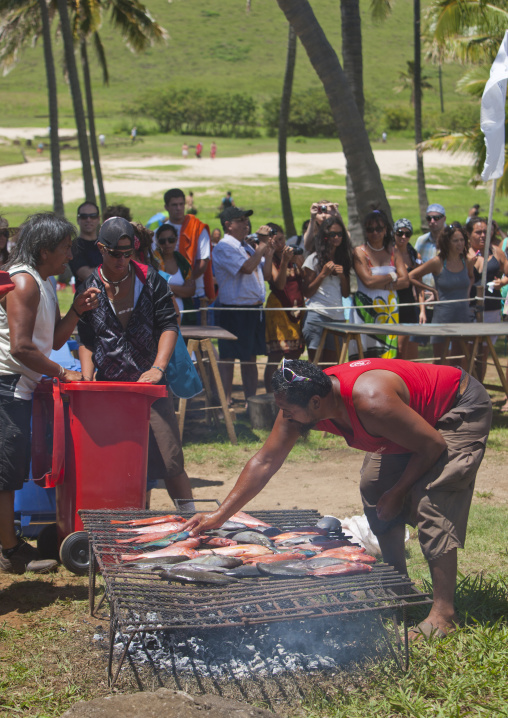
point(30, 327)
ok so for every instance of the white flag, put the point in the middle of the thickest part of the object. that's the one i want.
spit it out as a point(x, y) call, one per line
point(493, 114)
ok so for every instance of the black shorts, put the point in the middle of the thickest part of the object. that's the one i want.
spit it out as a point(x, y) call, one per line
point(249, 328)
point(15, 442)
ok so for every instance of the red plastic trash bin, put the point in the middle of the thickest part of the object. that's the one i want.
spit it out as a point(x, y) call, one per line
point(90, 440)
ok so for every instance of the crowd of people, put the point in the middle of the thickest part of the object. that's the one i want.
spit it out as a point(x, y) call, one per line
point(135, 284)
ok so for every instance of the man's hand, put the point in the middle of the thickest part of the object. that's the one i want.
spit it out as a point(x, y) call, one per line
point(199, 523)
point(86, 301)
point(390, 504)
point(70, 375)
point(152, 376)
point(287, 254)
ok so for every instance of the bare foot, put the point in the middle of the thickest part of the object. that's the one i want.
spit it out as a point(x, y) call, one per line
point(505, 406)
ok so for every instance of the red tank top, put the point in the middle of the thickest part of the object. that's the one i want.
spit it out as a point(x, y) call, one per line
point(432, 391)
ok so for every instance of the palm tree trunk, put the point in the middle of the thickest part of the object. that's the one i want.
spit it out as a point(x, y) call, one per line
point(77, 100)
point(420, 173)
point(91, 125)
point(351, 29)
point(285, 103)
point(440, 76)
point(56, 174)
point(364, 172)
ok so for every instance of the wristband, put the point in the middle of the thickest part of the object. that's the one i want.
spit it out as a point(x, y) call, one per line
point(161, 370)
point(76, 311)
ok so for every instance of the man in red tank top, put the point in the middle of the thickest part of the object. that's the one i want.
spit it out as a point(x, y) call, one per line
point(424, 427)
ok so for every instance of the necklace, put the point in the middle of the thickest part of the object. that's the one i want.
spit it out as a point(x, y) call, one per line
point(373, 248)
point(115, 284)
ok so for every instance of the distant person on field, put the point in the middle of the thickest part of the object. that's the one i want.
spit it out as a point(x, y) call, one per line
point(134, 134)
point(213, 150)
point(102, 140)
point(189, 204)
point(185, 150)
point(85, 253)
point(227, 201)
point(384, 137)
point(199, 150)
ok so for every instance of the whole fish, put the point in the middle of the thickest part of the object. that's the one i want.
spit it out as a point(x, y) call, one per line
point(167, 540)
point(349, 555)
point(187, 575)
point(148, 521)
point(320, 561)
point(239, 551)
point(329, 523)
point(252, 537)
point(231, 526)
point(212, 560)
point(158, 564)
point(248, 520)
point(302, 531)
point(275, 558)
point(246, 571)
point(293, 539)
point(216, 541)
point(282, 570)
point(169, 526)
point(326, 542)
point(342, 569)
point(198, 567)
point(179, 550)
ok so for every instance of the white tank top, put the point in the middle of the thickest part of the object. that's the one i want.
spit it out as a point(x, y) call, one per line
point(42, 337)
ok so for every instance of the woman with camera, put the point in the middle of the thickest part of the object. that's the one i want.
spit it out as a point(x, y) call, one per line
point(319, 211)
point(326, 282)
point(284, 336)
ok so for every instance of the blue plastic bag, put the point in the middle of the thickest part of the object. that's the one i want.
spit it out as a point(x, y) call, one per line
point(181, 374)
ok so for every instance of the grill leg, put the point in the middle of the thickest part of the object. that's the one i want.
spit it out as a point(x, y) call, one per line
point(400, 653)
point(91, 577)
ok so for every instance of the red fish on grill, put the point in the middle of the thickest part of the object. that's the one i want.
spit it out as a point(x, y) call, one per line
point(274, 558)
point(342, 569)
point(350, 553)
point(216, 541)
point(168, 526)
point(148, 521)
point(247, 520)
point(246, 550)
point(299, 533)
point(183, 548)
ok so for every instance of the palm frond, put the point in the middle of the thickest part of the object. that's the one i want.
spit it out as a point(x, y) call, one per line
point(101, 57)
point(473, 82)
point(380, 9)
point(135, 23)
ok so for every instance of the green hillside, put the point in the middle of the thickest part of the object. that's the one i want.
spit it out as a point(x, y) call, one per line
point(215, 45)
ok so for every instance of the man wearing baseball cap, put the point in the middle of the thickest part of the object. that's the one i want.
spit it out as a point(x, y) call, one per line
point(131, 337)
point(241, 271)
point(426, 247)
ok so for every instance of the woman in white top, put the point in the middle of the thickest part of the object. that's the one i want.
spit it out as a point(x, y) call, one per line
point(326, 282)
point(175, 264)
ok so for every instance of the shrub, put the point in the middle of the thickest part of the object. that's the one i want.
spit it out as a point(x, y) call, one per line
point(399, 118)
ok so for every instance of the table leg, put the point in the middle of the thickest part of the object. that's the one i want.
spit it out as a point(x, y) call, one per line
point(472, 358)
point(359, 344)
point(208, 347)
point(345, 348)
point(498, 364)
point(320, 349)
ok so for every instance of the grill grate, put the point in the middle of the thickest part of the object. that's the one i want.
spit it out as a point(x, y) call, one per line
point(140, 601)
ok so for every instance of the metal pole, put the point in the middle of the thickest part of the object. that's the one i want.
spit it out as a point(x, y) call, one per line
point(481, 296)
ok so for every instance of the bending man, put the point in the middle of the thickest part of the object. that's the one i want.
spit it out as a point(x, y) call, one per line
point(425, 429)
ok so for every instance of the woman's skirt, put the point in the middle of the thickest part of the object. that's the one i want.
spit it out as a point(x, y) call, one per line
point(283, 329)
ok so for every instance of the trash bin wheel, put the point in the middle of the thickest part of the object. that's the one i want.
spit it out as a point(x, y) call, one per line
point(74, 552)
point(47, 542)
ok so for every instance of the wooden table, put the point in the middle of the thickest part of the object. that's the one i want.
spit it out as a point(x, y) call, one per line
point(477, 332)
point(199, 341)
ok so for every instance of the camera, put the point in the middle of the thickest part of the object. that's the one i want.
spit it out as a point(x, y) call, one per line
point(272, 233)
point(323, 208)
point(252, 238)
point(297, 250)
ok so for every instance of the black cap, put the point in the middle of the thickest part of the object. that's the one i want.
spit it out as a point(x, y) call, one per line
point(115, 229)
point(231, 213)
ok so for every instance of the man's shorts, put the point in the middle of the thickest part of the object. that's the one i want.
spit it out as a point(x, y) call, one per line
point(165, 455)
point(439, 501)
point(249, 328)
point(15, 441)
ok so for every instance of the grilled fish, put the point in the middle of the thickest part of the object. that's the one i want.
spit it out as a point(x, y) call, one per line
point(275, 558)
point(211, 560)
point(248, 520)
point(184, 548)
point(188, 575)
point(342, 569)
point(282, 570)
point(253, 537)
point(350, 553)
point(321, 561)
point(167, 540)
point(240, 550)
point(148, 521)
point(329, 523)
point(245, 571)
point(216, 541)
point(169, 526)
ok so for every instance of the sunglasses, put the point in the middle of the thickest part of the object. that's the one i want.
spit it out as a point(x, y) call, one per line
point(117, 253)
point(293, 376)
point(169, 240)
point(377, 228)
point(331, 235)
point(434, 218)
point(402, 233)
point(88, 215)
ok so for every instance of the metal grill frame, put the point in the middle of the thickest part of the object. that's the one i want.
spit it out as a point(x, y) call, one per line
point(134, 593)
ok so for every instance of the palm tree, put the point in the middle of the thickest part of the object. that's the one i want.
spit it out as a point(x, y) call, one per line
point(77, 100)
point(285, 103)
point(365, 175)
point(408, 82)
point(20, 24)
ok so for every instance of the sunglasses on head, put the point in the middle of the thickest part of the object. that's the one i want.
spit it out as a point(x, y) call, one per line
point(434, 217)
point(293, 376)
point(377, 228)
point(169, 240)
point(88, 215)
point(117, 253)
point(403, 233)
point(332, 235)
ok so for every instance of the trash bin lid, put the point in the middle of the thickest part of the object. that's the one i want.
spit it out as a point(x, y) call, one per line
point(126, 387)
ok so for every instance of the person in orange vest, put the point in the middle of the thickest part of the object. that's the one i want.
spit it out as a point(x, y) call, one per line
point(193, 243)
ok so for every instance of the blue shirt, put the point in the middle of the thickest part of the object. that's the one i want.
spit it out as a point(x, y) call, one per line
point(235, 287)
